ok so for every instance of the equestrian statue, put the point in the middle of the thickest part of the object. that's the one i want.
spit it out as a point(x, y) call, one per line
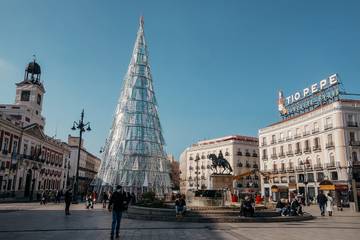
point(218, 163)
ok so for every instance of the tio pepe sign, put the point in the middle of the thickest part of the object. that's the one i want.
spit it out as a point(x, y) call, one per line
point(314, 88)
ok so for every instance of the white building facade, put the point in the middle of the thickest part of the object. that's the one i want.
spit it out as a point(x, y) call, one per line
point(30, 161)
point(302, 151)
point(240, 151)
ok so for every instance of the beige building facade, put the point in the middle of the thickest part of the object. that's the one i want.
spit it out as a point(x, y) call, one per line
point(300, 152)
point(89, 165)
point(240, 151)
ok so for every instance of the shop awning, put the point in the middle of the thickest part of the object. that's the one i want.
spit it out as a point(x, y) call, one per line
point(327, 185)
point(292, 186)
point(276, 188)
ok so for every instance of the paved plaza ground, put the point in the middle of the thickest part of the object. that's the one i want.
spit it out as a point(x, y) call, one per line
point(32, 221)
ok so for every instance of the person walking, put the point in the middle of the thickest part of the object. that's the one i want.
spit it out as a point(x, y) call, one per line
point(68, 197)
point(105, 198)
point(116, 205)
point(329, 204)
point(322, 200)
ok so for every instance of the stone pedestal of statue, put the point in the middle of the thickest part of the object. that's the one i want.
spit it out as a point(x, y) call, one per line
point(221, 181)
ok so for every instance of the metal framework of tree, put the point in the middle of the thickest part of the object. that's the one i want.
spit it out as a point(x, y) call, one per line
point(134, 154)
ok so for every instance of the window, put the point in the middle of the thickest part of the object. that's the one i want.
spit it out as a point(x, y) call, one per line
point(25, 96)
point(354, 156)
point(274, 151)
point(352, 136)
point(290, 147)
point(281, 136)
point(306, 129)
point(289, 133)
point(328, 123)
point(301, 178)
point(316, 143)
point(316, 127)
point(310, 177)
point(283, 179)
point(334, 176)
point(264, 141)
point(329, 139)
point(281, 150)
point(291, 164)
point(292, 179)
point(307, 147)
point(273, 139)
point(38, 99)
point(320, 176)
point(6, 143)
point(332, 159)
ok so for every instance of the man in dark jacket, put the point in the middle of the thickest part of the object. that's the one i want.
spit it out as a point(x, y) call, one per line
point(322, 200)
point(116, 205)
point(68, 197)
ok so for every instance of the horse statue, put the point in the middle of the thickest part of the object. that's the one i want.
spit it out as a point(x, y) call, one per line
point(219, 162)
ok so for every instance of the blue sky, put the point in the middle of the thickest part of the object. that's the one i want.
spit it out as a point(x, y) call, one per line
point(216, 65)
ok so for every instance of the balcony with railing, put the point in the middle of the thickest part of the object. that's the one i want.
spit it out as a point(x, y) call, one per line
point(307, 150)
point(247, 154)
point(273, 156)
point(289, 153)
point(263, 144)
point(318, 166)
point(316, 148)
point(306, 133)
point(281, 155)
point(255, 155)
point(354, 143)
point(315, 130)
point(330, 145)
point(298, 135)
point(264, 157)
point(288, 138)
point(330, 165)
point(281, 140)
point(274, 171)
point(282, 170)
point(298, 152)
point(328, 126)
point(273, 141)
point(290, 169)
point(299, 169)
point(352, 124)
point(239, 153)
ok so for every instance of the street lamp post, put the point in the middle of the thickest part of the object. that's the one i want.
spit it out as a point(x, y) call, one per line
point(82, 127)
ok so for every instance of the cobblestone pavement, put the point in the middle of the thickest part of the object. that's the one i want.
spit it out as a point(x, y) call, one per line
point(32, 221)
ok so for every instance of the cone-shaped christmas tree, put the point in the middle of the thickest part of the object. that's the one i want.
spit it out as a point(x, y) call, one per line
point(134, 155)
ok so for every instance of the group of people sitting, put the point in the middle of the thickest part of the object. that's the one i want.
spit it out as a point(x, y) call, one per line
point(286, 208)
point(180, 205)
